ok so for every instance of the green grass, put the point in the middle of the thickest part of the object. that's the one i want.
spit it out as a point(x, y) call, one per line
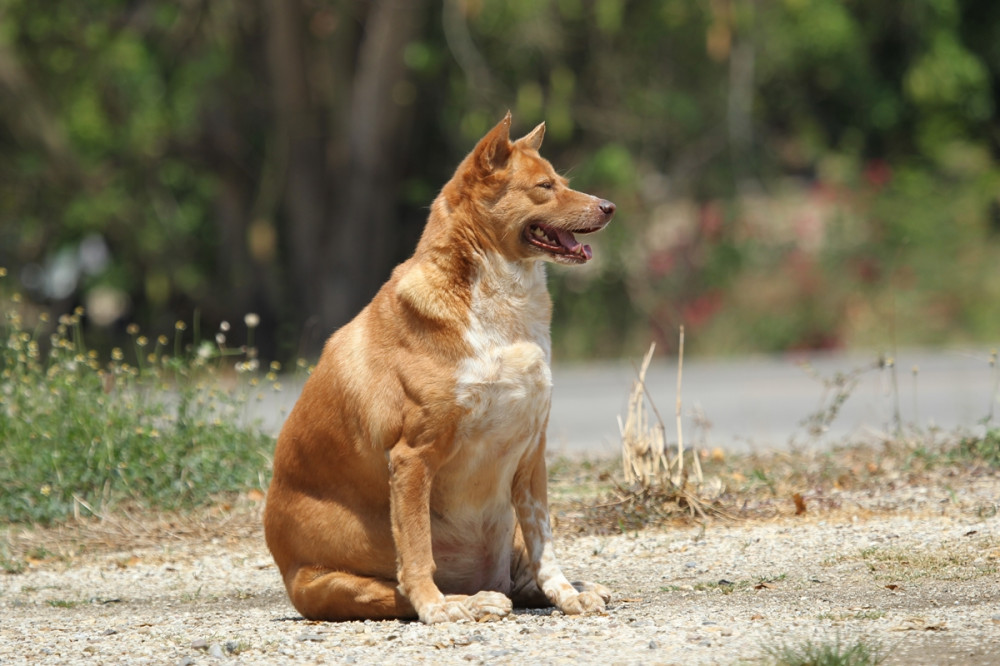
point(64, 603)
point(827, 653)
point(985, 448)
point(847, 617)
point(151, 426)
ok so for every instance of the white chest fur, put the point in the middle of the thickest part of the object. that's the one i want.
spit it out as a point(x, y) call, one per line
point(505, 384)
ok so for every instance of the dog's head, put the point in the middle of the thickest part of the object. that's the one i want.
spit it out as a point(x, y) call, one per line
point(523, 208)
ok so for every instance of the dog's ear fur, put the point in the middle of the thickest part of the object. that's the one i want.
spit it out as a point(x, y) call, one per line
point(494, 150)
point(533, 139)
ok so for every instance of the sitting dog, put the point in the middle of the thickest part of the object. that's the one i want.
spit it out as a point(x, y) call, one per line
point(409, 479)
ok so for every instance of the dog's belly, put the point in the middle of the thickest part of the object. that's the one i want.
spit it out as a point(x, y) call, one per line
point(505, 396)
point(472, 549)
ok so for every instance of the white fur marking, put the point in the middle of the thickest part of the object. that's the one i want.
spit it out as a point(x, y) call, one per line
point(505, 383)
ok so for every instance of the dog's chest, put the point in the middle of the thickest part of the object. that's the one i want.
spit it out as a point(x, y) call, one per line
point(505, 383)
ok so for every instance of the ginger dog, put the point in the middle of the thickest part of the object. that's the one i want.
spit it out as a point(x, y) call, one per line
point(409, 479)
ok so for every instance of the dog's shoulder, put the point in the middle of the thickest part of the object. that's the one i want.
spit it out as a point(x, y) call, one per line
point(428, 290)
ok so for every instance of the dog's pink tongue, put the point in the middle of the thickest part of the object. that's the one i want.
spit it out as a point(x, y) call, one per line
point(569, 241)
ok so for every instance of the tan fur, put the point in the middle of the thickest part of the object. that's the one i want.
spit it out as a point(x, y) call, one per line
point(409, 479)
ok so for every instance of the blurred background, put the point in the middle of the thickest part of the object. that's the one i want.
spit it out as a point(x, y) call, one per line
point(789, 174)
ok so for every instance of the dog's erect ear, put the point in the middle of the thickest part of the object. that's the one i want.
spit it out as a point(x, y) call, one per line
point(533, 139)
point(494, 149)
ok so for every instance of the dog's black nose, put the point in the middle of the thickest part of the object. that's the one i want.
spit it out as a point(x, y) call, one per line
point(606, 207)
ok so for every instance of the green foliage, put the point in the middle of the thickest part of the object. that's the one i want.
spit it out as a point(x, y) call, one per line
point(159, 431)
point(155, 127)
point(981, 449)
point(120, 105)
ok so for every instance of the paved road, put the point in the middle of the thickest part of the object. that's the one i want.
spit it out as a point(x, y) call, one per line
point(767, 402)
point(760, 402)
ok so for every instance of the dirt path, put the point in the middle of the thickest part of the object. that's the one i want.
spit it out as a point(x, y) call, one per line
point(912, 570)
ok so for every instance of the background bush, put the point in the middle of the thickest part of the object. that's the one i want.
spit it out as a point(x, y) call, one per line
point(789, 173)
point(82, 437)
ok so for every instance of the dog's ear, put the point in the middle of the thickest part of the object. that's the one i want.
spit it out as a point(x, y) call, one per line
point(533, 139)
point(494, 149)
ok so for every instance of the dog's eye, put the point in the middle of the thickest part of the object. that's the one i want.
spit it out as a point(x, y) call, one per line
point(547, 185)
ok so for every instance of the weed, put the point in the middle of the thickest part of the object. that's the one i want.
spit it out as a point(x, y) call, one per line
point(659, 484)
point(767, 580)
point(9, 563)
point(985, 448)
point(955, 563)
point(723, 586)
point(759, 476)
point(81, 436)
point(39, 552)
point(63, 603)
point(836, 391)
point(190, 597)
point(833, 653)
point(858, 615)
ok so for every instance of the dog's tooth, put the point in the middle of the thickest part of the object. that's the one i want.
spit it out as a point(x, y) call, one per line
point(538, 233)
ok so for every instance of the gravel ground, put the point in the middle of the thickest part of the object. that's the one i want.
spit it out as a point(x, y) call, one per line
point(913, 570)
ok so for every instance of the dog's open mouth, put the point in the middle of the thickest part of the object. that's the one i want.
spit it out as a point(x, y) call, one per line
point(559, 242)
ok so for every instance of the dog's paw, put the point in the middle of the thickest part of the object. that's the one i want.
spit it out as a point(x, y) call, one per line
point(445, 611)
point(597, 588)
point(588, 601)
point(486, 606)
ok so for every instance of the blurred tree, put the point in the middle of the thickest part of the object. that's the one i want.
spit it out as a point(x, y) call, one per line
point(339, 136)
point(235, 156)
point(279, 156)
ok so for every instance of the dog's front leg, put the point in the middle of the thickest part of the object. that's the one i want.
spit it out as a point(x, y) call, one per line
point(530, 495)
point(411, 472)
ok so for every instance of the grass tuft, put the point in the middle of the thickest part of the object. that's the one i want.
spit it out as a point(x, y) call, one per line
point(658, 485)
point(985, 448)
point(833, 653)
point(151, 427)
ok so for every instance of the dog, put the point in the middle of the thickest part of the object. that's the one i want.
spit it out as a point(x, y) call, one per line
point(409, 478)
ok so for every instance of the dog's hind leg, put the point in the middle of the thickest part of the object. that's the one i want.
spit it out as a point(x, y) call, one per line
point(525, 592)
point(323, 594)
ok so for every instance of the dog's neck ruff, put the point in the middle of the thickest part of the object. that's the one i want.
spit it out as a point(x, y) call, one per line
point(509, 304)
point(505, 382)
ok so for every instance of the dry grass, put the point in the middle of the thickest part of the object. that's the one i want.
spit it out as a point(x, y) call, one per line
point(784, 484)
point(661, 483)
point(230, 520)
point(587, 497)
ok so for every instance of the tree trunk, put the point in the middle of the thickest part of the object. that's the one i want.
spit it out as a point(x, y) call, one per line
point(300, 152)
point(365, 208)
